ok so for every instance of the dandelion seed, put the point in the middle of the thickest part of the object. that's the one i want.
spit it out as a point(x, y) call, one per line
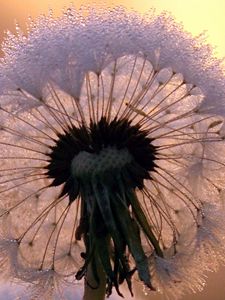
point(111, 154)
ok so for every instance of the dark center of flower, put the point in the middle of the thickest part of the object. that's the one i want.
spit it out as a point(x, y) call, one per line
point(88, 165)
point(104, 150)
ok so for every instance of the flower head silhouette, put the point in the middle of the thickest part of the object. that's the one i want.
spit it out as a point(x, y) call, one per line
point(111, 153)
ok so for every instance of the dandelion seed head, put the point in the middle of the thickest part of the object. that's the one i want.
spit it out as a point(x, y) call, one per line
point(91, 42)
point(111, 150)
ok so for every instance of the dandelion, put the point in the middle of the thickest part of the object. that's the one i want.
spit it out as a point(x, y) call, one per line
point(111, 154)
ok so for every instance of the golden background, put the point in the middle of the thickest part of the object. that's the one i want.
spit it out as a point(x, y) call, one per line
point(196, 16)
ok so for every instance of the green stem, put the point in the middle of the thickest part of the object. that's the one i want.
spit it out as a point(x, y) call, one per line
point(92, 289)
point(142, 220)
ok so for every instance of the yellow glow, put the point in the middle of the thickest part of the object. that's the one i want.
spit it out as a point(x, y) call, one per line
point(196, 16)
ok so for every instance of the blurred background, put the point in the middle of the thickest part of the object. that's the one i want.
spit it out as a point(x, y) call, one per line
point(197, 16)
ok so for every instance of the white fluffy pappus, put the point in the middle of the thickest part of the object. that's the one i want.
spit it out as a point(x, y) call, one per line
point(111, 140)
